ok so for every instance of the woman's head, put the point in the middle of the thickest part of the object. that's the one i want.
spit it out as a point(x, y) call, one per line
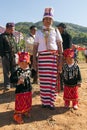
point(48, 17)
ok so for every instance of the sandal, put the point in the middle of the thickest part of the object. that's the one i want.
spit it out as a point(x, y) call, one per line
point(18, 118)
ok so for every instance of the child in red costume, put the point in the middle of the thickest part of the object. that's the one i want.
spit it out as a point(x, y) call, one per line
point(23, 94)
point(71, 79)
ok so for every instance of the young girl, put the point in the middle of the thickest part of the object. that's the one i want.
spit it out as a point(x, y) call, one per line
point(72, 79)
point(23, 94)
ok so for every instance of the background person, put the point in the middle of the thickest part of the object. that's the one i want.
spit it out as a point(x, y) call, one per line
point(85, 53)
point(67, 43)
point(75, 49)
point(67, 39)
point(8, 48)
point(29, 48)
point(48, 45)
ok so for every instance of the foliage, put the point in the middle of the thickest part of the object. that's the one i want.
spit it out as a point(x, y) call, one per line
point(21, 45)
point(78, 33)
point(81, 56)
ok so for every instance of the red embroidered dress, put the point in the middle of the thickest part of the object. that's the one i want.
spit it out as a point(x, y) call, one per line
point(71, 78)
point(23, 97)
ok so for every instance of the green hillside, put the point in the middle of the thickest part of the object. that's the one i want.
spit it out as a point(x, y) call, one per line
point(78, 33)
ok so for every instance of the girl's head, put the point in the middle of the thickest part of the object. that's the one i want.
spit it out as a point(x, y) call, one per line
point(24, 59)
point(69, 55)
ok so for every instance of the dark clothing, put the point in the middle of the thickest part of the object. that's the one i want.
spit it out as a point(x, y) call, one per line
point(76, 55)
point(8, 48)
point(71, 75)
point(23, 94)
point(26, 86)
point(67, 40)
point(67, 43)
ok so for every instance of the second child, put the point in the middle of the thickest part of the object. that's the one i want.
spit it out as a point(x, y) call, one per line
point(72, 79)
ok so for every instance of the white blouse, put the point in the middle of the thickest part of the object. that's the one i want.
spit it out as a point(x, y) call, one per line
point(53, 38)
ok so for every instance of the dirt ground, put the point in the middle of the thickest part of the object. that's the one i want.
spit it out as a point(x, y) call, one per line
point(42, 119)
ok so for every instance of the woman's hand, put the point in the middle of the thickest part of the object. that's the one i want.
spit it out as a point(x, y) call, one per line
point(60, 68)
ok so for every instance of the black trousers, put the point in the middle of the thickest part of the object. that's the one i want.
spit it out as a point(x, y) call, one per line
point(8, 68)
point(61, 81)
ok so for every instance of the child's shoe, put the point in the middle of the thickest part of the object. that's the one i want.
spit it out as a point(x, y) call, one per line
point(75, 107)
point(18, 118)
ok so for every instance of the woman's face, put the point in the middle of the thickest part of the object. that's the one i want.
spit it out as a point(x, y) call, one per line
point(47, 22)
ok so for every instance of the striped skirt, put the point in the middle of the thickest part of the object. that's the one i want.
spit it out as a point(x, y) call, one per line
point(47, 70)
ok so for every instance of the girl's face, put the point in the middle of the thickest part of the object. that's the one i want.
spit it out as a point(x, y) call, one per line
point(47, 22)
point(69, 60)
point(23, 65)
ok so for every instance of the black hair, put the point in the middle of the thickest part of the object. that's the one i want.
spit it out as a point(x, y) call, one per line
point(61, 25)
point(32, 27)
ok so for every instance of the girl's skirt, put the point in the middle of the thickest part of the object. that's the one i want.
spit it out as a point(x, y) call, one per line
point(23, 102)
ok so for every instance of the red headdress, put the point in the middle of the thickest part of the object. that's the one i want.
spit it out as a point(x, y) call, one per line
point(69, 53)
point(24, 57)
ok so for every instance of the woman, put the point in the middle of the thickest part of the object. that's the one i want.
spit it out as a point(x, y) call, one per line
point(48, 45)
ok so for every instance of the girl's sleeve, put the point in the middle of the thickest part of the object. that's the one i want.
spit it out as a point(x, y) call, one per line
point(79, 76)
point(14, 77)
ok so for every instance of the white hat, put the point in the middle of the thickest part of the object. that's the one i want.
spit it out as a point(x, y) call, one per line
point(48, 13)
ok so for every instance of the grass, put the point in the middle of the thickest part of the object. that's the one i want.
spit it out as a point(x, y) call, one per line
point(81, 56)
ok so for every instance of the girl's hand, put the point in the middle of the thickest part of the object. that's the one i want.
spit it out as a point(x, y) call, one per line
point(79, 85)
point(20, 81)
